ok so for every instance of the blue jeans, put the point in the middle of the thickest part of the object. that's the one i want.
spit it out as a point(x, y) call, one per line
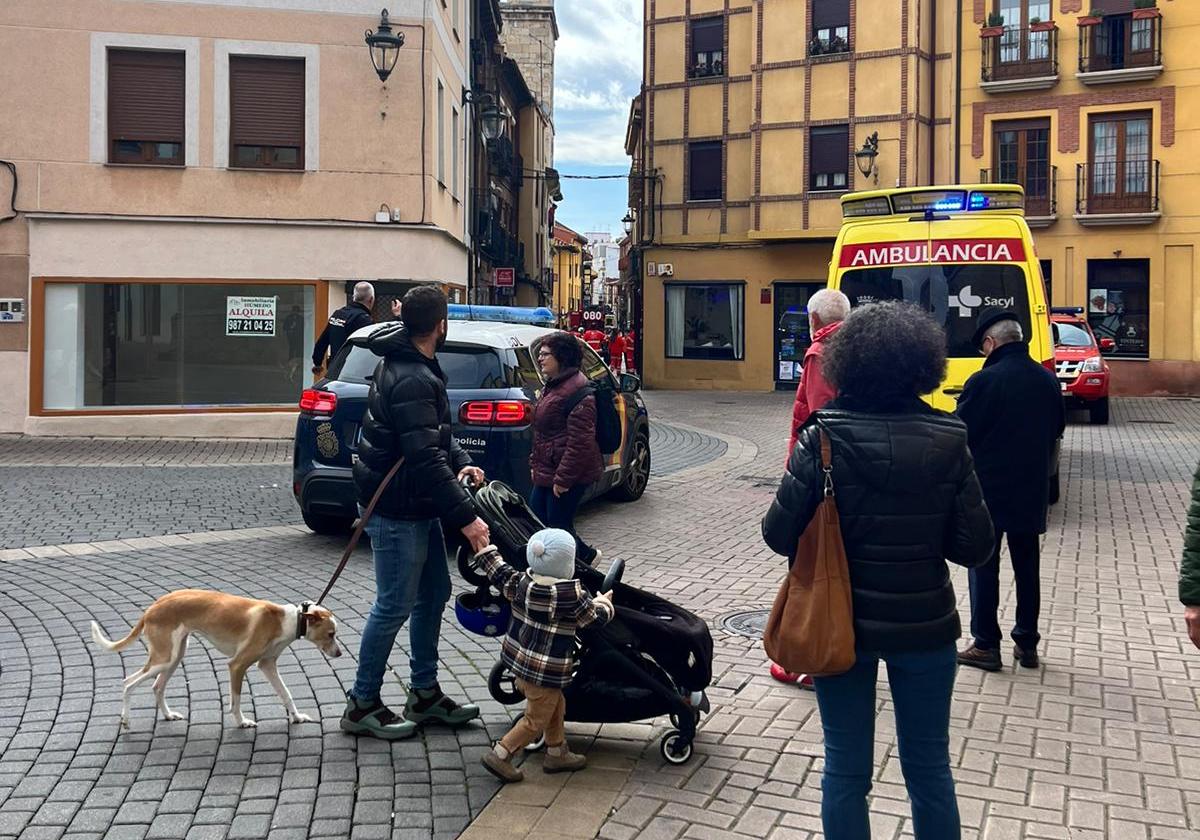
point(559, 512)
point(921, 683)
point(411, 579)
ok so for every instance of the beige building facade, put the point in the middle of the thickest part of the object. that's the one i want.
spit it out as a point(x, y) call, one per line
point(198, 184)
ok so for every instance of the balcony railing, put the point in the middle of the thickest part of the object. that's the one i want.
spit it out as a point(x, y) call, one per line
point(495, 241)
point(504, 160)
point(707, 65)
point(1022, 58)
point(1041, 191)
point(1121, 48)
point(1116, 189)
point(828, 46)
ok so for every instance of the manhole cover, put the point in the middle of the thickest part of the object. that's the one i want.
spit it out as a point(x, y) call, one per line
point(749, 623)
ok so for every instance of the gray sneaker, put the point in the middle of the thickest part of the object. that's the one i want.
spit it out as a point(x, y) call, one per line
point(375, 720)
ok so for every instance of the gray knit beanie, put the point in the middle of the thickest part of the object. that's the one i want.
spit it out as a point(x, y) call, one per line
point(551, 553)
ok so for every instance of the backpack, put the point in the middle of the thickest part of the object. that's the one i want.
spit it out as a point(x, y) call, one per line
point(608, 422)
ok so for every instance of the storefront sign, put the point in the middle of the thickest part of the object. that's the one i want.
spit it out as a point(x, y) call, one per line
point(934, 251)
point(506, 278)
point(12, 310)
point(250, 316)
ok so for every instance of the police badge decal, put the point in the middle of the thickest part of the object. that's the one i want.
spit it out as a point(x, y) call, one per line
point(327, 442)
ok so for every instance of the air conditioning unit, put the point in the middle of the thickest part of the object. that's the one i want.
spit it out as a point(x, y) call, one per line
point(666, 270)
point(651, 269)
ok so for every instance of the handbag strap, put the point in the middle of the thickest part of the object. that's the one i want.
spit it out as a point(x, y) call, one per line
point(827, 463)
point(358, 531)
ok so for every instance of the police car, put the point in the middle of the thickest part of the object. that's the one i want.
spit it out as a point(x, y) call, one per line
point(493, 386)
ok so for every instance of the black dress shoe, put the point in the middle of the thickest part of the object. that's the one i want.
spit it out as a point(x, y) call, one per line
point(985, 660)
point(1026, 658)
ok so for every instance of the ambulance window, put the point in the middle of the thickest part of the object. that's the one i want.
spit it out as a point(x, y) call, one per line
point(954, 294)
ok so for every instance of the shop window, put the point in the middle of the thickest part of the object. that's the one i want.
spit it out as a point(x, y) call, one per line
point(1118, 305)
point(705, 161)
point(266, 112)
point(829, 149)
point(830, 27)
point(172, 345)
point(705, 321)
point(146, 107)
point(708, 48)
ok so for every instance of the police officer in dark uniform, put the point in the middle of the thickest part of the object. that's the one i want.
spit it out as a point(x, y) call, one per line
point(342, 324)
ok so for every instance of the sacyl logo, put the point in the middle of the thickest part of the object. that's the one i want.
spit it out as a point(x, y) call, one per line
point(966, 301)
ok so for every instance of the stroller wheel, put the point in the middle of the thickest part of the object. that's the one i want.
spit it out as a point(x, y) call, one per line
point(537, 745)
point(464, 568)
point(502, 685)
point(674, 749)
point(675, 720)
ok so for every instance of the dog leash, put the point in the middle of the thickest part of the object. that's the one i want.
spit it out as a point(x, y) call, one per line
point(358, 531)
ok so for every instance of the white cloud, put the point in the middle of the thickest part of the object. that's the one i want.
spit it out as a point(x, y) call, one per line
point(598, 71)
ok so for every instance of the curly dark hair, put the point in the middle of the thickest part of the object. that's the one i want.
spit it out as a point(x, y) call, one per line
point(886, 354)
point(565, 348)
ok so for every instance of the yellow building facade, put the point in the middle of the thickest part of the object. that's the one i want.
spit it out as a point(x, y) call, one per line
point(568, 247)
point(744, 139)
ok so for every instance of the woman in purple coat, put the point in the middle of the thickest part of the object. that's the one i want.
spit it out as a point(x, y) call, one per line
point(566, 458)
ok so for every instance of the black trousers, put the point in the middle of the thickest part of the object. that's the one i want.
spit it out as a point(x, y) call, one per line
point(1025, 552)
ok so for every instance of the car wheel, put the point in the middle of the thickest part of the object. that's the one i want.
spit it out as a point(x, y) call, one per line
point(332, 526)
point(638, 475)
point(1099, 412)
point(1055, 489)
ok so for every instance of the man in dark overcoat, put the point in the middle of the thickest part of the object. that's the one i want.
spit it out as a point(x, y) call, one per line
point(1015, 417)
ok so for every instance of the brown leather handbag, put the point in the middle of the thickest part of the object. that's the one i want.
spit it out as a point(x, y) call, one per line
point(811, 627)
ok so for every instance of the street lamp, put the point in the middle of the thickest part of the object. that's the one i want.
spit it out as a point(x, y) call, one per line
point(384, 46)
point(628, 221)
point(865, 157)
point(492, 116)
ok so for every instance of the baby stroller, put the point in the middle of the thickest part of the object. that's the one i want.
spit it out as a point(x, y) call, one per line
point(654, 658)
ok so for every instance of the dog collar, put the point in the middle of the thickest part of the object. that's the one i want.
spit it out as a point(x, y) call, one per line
point(302, 619)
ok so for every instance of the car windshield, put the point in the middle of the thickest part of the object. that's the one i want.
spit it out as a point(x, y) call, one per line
point(465, 367)
point(954, 294)
point(1071, 335)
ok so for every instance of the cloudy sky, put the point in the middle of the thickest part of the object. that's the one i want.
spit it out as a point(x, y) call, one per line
point(598, 71)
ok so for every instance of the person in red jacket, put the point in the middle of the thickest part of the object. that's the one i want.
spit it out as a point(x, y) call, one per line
point(594, 338)
point(616, 351)
point(630, 352)
point(826, 311)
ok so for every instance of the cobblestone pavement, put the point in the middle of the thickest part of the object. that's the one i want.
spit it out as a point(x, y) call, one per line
point(88, 489)
point(66, 770)
point(1100, 743)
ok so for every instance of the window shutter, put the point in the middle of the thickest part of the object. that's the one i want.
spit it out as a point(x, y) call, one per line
point(145, 96)
point(708, 35)
point(828, 14)
point(704, 171)
point(830, 149)
point(266, 101)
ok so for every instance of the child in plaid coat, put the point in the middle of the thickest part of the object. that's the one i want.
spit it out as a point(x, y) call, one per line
point(548, 607)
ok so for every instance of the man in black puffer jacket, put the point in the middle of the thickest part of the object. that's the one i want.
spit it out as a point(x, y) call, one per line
point(408, 417)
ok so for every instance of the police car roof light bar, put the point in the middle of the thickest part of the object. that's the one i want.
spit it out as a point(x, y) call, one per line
point(540, 316)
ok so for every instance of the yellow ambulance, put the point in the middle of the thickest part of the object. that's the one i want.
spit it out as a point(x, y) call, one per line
point(953, 251)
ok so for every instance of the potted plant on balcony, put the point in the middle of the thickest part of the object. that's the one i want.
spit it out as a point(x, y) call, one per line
point(1143, 9)
point(1036, 24)
point(995, 26)
point(1092, 18)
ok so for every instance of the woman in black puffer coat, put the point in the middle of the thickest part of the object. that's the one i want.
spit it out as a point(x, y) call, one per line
point(908, 500)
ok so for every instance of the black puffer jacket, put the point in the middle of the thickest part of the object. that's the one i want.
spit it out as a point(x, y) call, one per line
point(408, 414)
point(908, 500)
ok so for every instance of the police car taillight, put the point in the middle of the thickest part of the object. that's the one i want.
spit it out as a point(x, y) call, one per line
point(495, 413)
point(313, 401)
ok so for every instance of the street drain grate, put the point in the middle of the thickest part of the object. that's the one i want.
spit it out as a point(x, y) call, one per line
point(748, 623)
point(1153, 422)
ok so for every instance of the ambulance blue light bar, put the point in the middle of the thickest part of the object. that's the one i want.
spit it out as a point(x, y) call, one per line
point(540, 316)
point(916, 202)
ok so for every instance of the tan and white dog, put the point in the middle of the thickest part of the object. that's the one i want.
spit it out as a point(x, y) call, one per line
point(244, 629)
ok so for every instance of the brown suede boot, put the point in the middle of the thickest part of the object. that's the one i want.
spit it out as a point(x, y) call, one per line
point(560, 759)
point(501, 768)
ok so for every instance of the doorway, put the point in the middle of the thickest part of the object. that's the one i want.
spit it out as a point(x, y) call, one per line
point(792, 338)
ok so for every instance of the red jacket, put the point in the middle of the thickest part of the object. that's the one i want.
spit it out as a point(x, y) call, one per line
point(616, 350)
point(594, 338)
point(565, 451)
point(814, 390)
